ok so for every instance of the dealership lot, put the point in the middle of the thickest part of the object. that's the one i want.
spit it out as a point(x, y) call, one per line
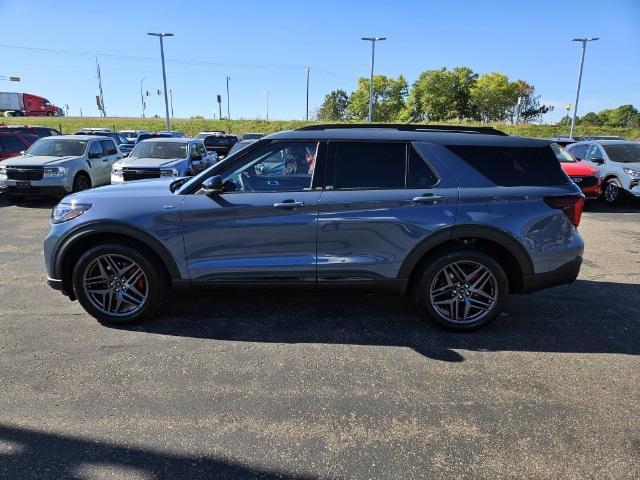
point(286, 385)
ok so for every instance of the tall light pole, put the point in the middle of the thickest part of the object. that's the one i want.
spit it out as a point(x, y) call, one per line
point(266, 92)
point(171, 96)
point(306, 117)
point(228, 109)
point(142, 96)
point(575, 106)
point(164, 75)
point(373, 41)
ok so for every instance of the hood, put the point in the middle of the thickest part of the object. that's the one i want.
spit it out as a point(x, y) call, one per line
point(149, 162)
point(578, 169)
point(139, 188)
point(34, 161)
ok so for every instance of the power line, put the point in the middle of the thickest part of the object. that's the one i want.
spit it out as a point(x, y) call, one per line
point(183, 62)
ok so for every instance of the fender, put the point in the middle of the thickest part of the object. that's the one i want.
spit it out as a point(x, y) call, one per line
point(454, 232)
point(119, 229)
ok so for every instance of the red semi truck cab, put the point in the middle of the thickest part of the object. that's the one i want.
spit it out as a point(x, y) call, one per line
point(26, 104)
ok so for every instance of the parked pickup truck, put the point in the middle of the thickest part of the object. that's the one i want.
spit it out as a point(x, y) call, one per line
point(27, 105)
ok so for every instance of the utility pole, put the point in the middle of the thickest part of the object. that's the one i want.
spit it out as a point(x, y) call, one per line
point(306, 117)
point(171, 97)
point(164, 75)
point(228, 109)
point(575, 105)
point(373, 41)
point(101, 106)
point(142, 104)
point(267, 93)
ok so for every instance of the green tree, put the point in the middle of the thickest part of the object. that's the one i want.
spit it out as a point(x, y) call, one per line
point(622, 116)
point(590, 118)
point(334, 107)
point(389, 96)
point(494, 97)
point(441, 95)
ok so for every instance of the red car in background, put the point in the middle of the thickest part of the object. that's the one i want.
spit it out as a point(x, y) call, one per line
point(585, 176)
point(11, 144)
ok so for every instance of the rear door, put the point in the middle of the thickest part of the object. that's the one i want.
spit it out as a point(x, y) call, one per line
point(380, 200)
point(262, 229)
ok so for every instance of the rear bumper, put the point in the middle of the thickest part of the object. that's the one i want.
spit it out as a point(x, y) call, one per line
point(562, 275)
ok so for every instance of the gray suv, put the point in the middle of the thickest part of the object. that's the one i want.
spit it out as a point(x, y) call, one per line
point(456, 218)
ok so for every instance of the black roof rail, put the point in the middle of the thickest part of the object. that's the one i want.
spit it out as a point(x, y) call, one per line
point(408, 127)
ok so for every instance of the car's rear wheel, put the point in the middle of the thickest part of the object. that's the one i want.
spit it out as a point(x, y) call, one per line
point(118, 284)
point(81, 182)
point(463, 289)
point(612, 191)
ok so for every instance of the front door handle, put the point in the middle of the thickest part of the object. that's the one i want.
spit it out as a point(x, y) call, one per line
point(428, 198)
point(288, 204)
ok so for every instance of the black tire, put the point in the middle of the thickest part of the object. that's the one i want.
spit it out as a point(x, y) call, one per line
point(155, 283)
point(433, 272)
point(49, 114)
point(81, 182)
point(612, 191)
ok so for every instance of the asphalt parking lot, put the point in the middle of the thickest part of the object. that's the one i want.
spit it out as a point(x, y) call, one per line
point(258, 385)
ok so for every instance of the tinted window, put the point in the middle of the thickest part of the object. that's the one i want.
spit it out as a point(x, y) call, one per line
point(109, 147)
point(96, 151)
point(10, 144)
point(53, 132)
point(624, 152)
point(369, 165)
point(578, 151)
point(42, 132)
point(514, 166)
point(419, 175)
point(594, 152)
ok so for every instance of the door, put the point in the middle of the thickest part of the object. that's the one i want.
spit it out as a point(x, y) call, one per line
point(380, 200)
point(94, 159)
point(110, 156)
point(262, 228)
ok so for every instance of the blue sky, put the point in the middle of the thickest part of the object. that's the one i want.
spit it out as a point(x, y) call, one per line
point(264, 46)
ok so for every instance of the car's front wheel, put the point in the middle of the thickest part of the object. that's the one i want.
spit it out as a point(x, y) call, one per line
point(612, 191)
point(463, 289)
point(118, 284)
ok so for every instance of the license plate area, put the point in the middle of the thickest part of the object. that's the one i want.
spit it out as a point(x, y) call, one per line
point(23, 184)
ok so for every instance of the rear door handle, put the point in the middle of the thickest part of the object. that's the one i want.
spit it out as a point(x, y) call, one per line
point(426, 199)
point(288, 204)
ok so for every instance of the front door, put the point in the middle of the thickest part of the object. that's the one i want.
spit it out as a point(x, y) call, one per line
point(262, 229)
point(381, 199)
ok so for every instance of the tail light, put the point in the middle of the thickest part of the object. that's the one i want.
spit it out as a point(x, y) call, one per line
point(571, 205)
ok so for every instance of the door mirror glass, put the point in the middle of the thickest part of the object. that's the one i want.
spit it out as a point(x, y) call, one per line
point(212, 185)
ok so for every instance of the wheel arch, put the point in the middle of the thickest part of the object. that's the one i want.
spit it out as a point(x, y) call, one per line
point(509, 252)
point(78, 241)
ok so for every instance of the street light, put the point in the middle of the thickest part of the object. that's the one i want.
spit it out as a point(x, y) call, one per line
point(142, 95)
point(164, 75)
point(575, 106)
point(373, 41)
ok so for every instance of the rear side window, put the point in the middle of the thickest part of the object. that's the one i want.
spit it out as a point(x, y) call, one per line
point(43, 132)
point(370, 165)
point(10, 144)
point(514, 166)
point(109, 147)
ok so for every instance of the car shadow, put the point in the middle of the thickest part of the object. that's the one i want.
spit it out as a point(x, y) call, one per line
point(628, 204)
point(28, 453)
point(585, 317)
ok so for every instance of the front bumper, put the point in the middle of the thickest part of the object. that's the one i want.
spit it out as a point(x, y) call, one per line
point(34, 190)
point(562, 275)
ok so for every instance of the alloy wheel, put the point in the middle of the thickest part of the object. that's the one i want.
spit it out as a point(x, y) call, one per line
point(463, 292)
point(116, 285)
point(611, 192)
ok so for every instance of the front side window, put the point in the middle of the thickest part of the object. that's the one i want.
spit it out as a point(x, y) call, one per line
point(286, 166)
point(594, 152)
point(623, 152)
point(109, 147)
point(96, 150)
point(51, 147)
point(201, 150)
point(162, 150)
point(578, 151)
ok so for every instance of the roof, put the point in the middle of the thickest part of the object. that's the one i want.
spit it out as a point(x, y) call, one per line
point(169, 139)
point(610, 142)
point(393, 134)
point(75, 137)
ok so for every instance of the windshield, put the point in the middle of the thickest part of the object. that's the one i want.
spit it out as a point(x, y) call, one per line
point(49, 147)
point(561, 154)
point(623, 152)
point(164, 150)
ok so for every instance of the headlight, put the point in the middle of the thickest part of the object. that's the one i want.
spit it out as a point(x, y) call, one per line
point(64, 212)
point(632, 172)
point(3, 172)
point(116, 171)
point(55, 171)
point(169, 172)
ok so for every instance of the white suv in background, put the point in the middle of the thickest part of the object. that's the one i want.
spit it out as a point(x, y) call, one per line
point(618, 162)
point(59, 165)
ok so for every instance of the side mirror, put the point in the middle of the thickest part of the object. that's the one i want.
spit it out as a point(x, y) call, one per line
point(126, 154)
point(22, 152)
point(212, 185)
point(93, 155)
point(597, 160)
